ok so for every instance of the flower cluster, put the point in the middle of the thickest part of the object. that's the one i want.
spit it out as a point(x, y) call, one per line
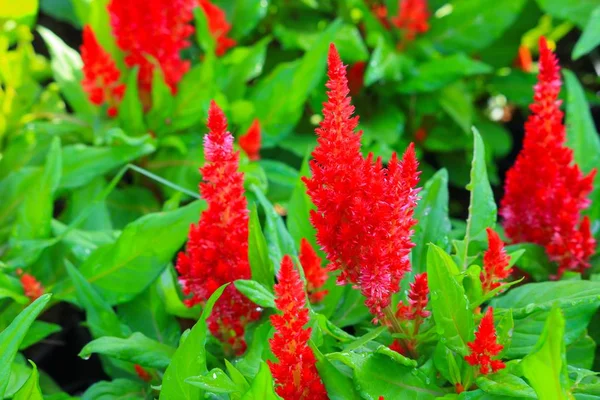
point(217, 249)
point(485, 346)
point(100, 74)
point(32, 288)
point(495, 263)
point(412, 18)
point(250, 141)
point(545, 191)
point(218, 26)
point(316, 275)
point(295, 372)
point(417, 300)
point(153, 33)
point(364, 212)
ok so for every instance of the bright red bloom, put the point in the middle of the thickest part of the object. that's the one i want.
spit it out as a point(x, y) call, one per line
point(412, 18)
point(250, 141)
point(142, 373)
point(523, 60)
point(381, 13)
point(217, 248)
point(417, 300)
point(218, 26)
point(152, 32)
point(316, 275)
point(100, 74)
point(364, 214)
point(295, 372)
point(495, 262)
point(545, 191)
point(356, 77)
point(31, 286)
point(485, 346)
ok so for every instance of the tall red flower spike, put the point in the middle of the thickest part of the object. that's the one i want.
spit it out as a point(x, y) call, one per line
point(417, 300)
point(316, 275)
point(364, 214)
point(412, 18)
point(32, 288)
point(152, 32)
point(217, 248)
point(218, 26)
point(545, 191)
point(250, 141)
point(485, 346)
point(495, 263)
point(100, 74)
point(295, 372)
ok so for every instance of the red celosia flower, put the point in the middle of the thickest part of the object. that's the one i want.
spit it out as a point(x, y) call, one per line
point(295, 372)
point(417, 300)
point(31, 286)
point(459, 388)
point(218, 26)
point(142, 373)
point(545, 191)
point(485, 346)
point(100, 74)
point(495, 263)
point(151, 33)
point(412, 18)
point(364, 215)
point(398, 347)
point(217, 248)
point(316, 275)
point(356, 77)
point(250, 141)
point(523, 60)
point(381, 13)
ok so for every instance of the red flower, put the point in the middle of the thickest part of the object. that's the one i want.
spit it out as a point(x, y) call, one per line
point(218, 26)
point(217, 248)
point(523, 60)
point(417, 300)
point(356, 77)
point(412, 18)
point(381, 13)
point(142, 373)
point(100, 74)
point(295, 372)
point(250, 141)
point(316, 276)
point(495, 262)
point(364, 215)
point(31, 286)
point(420, 134)
point(485, 346)
point(153, 33)
point(545, 191)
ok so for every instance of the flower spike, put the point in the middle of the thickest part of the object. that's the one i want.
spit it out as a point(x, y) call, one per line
point(417, 300)
point(218, 26)
point(250, 141)
point(316, 276)
point(495, 263)
point(485, 346)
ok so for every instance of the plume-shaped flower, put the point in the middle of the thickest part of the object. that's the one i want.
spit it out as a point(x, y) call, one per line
point(485, 346)
point(32, 288)
point(523, 60)
point(100, 74)
point(316, 275)
point(495, 263)
point(142, 373)
point(217, 248)
point(218, 26)
point(364, 214)
point(295, 372)
point(545, 191)
point(412, 18)
point(250, 141)
point(417, 300)
point(153, 33)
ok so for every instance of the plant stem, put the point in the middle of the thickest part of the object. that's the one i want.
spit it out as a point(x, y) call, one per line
point(396, 327)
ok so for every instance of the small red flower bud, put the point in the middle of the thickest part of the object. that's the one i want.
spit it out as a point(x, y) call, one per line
point(316, 275)
point(142, 373)
point(218, 26)
point(250, 141)
point(417, 299)
point(495, 263)
point(523, 60)
point(31, 286)
point(485, 346)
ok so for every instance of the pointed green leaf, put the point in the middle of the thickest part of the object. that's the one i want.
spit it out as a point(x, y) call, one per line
point(258, 253)
point(31, 389)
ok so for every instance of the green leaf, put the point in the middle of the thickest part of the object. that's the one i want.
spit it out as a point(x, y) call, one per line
point(581, 353)
point(239, 66)
point(281, 179)
point(262, 387)
point(506, 385)
point(582, 136)
point(482, 207)
point(457, 101)
point(194, 93)
point(453, 317)
point(299, 206)
point(590, 38)
point(122, 270)
point(473, 25)
point(256, 292)
point(203, 36)
point(131, 110)
point(22, 11)
point(168, 289)
point(214, 381)
point(13, 335)
point(31, 389)
point(433, 222)
point(578, 12)
point(545, 367)
point(163, 104)
point(385, 64)
point(534, 260)
point(531, 304)
point(246, 16)
point(66, 66)
point(258, 253)
point(182, 365)
point(121, 389)
point(137, 349)
point(39, 330)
